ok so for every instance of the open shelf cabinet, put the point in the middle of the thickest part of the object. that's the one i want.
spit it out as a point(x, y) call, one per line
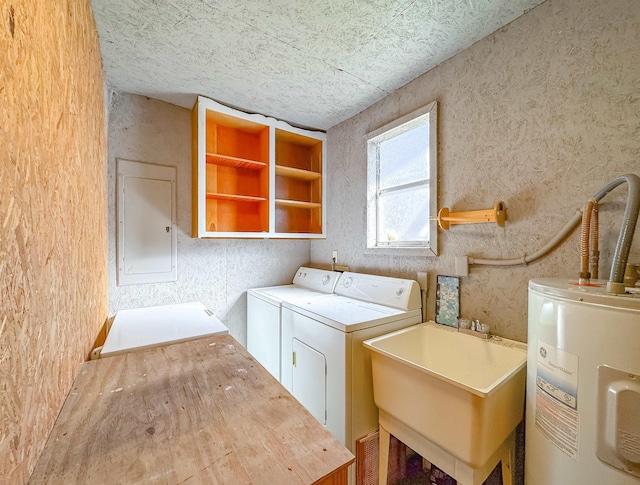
point(255, 176)
point(298, 169)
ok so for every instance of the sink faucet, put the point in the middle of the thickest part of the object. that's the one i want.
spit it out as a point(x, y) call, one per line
point(477, 329)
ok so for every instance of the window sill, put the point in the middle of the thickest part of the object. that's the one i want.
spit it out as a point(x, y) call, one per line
point(399, 251)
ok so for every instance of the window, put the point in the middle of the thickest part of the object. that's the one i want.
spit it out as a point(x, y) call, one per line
point(401, 184)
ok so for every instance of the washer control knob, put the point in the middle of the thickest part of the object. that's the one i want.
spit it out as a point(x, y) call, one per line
point(325, 279)
point(399, 291)
point(347, 282)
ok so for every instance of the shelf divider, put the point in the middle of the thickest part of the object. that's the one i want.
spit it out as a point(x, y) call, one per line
point(235, 162)
point(297, 173)
point(235, 197)
point(298, 203)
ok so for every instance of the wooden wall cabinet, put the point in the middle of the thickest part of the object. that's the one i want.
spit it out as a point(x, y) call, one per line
point(254, 176)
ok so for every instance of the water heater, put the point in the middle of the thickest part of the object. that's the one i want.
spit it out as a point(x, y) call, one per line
point(583, 385)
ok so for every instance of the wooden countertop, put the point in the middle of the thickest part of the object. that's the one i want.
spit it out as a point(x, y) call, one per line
point(202, 411)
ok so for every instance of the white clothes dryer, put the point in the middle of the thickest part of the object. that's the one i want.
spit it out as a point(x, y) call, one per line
point(145, 328)
point(264, 310)
point(324, 363)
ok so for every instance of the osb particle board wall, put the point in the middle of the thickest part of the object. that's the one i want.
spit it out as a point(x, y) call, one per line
point(53, 268)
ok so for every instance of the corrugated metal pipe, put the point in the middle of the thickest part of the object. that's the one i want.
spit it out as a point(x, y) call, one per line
point(589, 233)
point(625, 238)
point(595, 250)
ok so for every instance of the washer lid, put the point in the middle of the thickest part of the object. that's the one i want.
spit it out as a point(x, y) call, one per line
point(144, 328)
point(278, 294)
point(348, 314)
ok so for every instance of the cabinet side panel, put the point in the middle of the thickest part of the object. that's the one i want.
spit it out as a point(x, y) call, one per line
point(316, 157)
point(265, 155)
point(194, 172)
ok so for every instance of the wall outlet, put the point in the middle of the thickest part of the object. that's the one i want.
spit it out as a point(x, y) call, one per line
point(334, 256)
point(421, 278)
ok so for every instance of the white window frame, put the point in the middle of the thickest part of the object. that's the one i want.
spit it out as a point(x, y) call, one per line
point(427, 113)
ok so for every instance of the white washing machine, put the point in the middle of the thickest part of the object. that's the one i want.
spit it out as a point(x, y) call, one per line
point(145, 328)
point(324, 363)
point(264, 309)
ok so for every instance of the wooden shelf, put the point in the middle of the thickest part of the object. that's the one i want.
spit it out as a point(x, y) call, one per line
point(235, 197)
point(298, 203)
point(235, 162)
point(297, 173)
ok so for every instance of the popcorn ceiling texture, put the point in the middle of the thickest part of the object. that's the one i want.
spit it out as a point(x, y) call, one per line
point(53, 247)
point(215, 272)
point(312, 63)
point(541, 115)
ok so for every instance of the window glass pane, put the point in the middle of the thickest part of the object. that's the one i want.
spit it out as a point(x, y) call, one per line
point(404, 215)
point(405, 157)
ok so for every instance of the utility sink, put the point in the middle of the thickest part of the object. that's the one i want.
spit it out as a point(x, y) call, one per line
point(454, 398)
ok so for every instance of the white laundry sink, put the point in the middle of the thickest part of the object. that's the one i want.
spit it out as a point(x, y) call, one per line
point(454, 396)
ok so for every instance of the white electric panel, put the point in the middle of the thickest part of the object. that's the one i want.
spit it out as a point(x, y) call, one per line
point(147, 230)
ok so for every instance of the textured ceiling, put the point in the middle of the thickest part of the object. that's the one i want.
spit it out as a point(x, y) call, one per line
point(313, 63)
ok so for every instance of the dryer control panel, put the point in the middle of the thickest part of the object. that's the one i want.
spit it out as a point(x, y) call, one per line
point(383, 290)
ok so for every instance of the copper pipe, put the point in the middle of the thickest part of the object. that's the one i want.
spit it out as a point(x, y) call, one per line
point(595, 253)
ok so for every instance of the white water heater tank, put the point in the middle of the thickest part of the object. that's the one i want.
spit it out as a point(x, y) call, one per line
point(583, 385)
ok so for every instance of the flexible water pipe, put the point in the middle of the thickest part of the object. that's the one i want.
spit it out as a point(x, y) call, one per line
point(625, 238)
point(585, 275)
point(629, 219)
point(595, 252)
point(564, 232)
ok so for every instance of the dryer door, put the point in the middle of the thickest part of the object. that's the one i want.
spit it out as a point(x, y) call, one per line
point(309, 383)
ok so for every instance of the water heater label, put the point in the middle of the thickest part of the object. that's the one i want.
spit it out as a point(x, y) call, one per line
point(557, 397)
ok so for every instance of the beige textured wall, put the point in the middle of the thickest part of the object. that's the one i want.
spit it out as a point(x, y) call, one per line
point(541, 114)
point(53, 266)
point(216, 272)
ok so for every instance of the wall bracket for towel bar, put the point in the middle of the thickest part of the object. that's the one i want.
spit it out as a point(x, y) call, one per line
point(498, 215)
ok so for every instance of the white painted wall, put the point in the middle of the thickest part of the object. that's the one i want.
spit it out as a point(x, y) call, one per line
point(215, 272)
point(541, 115)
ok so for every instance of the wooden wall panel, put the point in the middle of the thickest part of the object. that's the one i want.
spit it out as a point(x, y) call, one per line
point(53, 227)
